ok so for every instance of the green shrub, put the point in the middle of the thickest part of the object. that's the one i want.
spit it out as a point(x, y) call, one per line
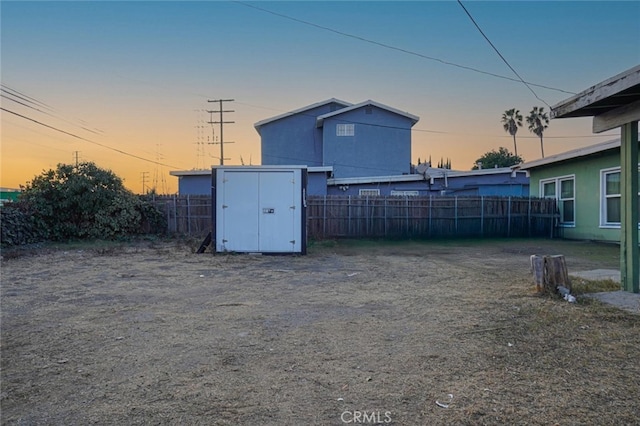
point(84, 201)
point(18, 226)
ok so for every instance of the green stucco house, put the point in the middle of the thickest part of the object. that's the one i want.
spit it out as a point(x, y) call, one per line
point(586, 183)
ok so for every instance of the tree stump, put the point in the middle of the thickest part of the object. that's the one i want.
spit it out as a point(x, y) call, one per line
point(549, 272)
point(537, 268)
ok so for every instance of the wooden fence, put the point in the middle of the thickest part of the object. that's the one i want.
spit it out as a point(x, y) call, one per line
point(429, 217)
point(391, 217)
point(185, 214)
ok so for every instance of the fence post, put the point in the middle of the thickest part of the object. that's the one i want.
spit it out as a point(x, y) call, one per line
point(529, 218)
point(324, 218)
point(482, 215)
point(455, 210)
point(168, 207)
point(430, 213)
point(406, 206)
point(175, 213)
point(366, 216)
point(349, 217)
point(552, 216)
point(385, 218)
point(509, 218)
point(188, 216)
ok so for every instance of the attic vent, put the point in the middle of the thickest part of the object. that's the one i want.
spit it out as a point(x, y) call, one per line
point(368, 110)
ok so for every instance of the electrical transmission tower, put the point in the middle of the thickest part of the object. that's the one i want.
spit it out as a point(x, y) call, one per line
point(76, 156)
point(144, 176)
point(201, 140)
point(222, 123)
point(158, 174)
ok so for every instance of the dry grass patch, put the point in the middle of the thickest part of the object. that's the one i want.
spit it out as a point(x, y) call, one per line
point(158, 335)
point(581, 286)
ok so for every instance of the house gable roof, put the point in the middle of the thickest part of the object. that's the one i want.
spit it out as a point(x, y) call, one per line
point(261, 123)
point(320, 120)
point(571, 155)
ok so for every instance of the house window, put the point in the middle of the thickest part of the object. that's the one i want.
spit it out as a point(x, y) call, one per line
point(345, 130)
point(610, 198)
point(368, 192)
point(563, 190)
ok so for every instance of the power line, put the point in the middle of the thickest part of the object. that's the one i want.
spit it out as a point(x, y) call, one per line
point(500, 54)
point(399, 49)
point(87, 140)
point(46, 113)
point(412, 129)
point(442, 132)
point(10, 94)
point(25, 97)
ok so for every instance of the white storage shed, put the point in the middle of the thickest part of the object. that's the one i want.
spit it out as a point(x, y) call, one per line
point(259, 209)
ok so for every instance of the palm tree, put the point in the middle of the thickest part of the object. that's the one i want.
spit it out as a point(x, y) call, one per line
point(511, 120)
point(538, 121)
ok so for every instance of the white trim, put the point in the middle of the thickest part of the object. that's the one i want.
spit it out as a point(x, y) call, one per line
point(319, 169)
point(557, 180)
point(602, 197)
point(204, 172)
point(299, 110)
point(374, 179)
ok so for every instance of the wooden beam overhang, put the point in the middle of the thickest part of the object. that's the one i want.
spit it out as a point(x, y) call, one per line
point(613, 103)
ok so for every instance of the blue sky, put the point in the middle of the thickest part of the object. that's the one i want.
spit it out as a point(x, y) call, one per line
point(140, 72)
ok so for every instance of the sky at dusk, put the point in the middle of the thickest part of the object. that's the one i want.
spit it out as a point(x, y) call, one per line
point(126, 84)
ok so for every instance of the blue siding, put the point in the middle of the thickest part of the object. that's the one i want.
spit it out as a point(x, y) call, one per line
point(194, 185)
point(485, 185)
point(381, 145)
point(317, 183)
point(294, 139)
point(502, 184)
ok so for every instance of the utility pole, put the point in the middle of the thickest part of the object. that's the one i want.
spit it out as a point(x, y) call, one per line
point(221, 122)
point(76, 155)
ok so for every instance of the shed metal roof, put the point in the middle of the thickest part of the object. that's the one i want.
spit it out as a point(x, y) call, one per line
point(207, 172)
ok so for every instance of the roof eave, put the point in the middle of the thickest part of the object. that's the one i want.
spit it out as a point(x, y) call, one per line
point(572, 155)
point(298, 111)
point(601, 97)
point(320, 120)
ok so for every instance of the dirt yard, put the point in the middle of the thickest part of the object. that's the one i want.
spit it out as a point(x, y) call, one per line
point(404, 333)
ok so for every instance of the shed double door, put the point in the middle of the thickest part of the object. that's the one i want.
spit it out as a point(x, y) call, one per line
point(259, 212)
